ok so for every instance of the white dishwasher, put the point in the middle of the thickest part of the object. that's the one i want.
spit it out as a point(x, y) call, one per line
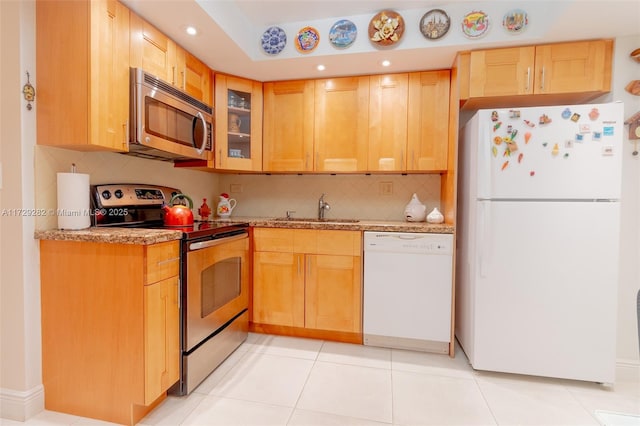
point(407, 290)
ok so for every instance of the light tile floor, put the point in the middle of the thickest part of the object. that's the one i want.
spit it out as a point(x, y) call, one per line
point(273, 380)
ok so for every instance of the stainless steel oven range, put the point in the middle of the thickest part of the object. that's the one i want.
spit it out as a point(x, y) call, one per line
point(214, 275)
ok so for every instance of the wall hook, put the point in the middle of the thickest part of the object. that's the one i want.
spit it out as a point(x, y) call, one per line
point(29, 92)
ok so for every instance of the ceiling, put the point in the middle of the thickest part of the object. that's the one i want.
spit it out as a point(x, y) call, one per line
point(229, 31)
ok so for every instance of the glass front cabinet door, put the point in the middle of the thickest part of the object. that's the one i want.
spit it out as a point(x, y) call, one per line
point(238, 123)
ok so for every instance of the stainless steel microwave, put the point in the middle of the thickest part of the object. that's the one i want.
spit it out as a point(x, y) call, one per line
point(167, 123)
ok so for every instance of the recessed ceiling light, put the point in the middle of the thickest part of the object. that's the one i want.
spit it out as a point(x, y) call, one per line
point(191, 30)
point(386, 63)
point(321, 67)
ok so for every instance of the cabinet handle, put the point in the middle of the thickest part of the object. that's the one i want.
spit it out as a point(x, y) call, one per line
point(306, 161)
point(173, 75)
point(542, 79)
point(526, 89)
point(162, 262)
point(220, 158)
point(184, 80)
point(125, 128)
point(178, 292)
point(316, 167)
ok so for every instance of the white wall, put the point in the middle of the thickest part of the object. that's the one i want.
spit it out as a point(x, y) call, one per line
point(21, 393)
point(626, 70)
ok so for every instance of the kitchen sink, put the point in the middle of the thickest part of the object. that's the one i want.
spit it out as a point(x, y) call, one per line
point(307, 219)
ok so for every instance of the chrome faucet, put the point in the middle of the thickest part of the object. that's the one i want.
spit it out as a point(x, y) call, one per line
point(322, 206)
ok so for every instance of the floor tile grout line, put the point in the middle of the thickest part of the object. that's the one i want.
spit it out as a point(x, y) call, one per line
point(486, 401)
point(315, 360)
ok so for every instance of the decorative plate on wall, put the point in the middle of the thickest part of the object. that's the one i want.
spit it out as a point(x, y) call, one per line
point(386, 28)
point(274, 39)
point(515, 21)
point(307, 39)
point(435, 24)
point(343, 33)
point(475, 24)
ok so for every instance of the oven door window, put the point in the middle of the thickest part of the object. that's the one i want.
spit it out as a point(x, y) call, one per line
point(220, 285)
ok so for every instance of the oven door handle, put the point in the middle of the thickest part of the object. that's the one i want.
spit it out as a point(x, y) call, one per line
point(211, 243)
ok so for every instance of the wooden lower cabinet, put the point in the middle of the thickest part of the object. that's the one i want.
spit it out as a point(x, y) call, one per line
point(308, 283)
point(161, 337)
point(110, 327)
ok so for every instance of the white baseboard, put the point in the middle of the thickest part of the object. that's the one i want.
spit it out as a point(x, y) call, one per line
point(627, 370)
point(21, 405)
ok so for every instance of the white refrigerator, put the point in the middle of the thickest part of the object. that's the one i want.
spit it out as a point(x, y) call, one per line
point(538, 240)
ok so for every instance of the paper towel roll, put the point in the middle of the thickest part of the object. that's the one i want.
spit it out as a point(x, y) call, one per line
point(73, 201)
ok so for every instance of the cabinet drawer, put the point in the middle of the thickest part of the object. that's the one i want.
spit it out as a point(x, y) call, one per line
point(162, 261)
point(347, 243)
point(268, 239)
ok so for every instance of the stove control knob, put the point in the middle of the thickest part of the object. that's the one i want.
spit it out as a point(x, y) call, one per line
point(118, 193)
point(106, 194)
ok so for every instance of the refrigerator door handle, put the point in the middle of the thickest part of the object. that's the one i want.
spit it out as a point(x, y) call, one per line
point(484, 237)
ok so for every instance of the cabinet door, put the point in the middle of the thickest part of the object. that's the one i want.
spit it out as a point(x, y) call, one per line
point(161, 337)
point(502, 72)
point(428, 134)
point(238, 123)
point(82, 59)
point(153, 51)
point(388, 122)
point(288, 126)
point(573, 67)
point(109, 69)
point(341, 133)
point(278, 289)
point(195, 77)
point(333, 296)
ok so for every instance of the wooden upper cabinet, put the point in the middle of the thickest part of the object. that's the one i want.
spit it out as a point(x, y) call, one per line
point(158, 55)
point(288, 126)
point(153, 51)
point(238, 142)
point(501, 72)
point(388, 104)
point(82, 60)
point(341, 132)
point(196, 77)
point(569, 72)
point(574, 67)
point(428, 128)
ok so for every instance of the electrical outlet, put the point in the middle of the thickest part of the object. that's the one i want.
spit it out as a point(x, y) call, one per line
point(235, 188)
point(386, 188)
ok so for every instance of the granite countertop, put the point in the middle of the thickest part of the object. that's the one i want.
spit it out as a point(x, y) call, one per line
point(361, 225)
point(152, 236)
point(111, 235)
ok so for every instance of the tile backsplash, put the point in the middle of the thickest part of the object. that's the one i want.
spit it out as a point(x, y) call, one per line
point(350, 196)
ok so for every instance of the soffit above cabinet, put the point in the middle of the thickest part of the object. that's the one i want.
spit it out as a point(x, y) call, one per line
point(230, 32)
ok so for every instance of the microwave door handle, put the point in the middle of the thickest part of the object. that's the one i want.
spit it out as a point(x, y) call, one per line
point(200, 117)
